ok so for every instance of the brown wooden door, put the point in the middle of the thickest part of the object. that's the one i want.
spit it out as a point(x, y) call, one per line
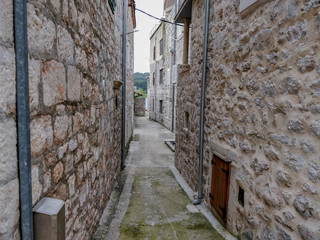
point(220, 186)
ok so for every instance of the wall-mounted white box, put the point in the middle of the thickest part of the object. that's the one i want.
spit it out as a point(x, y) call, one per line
point(174, 73)
point(49, 219)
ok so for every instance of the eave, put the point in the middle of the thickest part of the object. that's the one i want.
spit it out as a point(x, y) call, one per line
point(184, 11)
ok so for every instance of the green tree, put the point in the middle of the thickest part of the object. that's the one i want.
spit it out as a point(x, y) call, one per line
point(140, 80)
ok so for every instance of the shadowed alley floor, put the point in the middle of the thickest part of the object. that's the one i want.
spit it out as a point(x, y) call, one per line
point(148, 202)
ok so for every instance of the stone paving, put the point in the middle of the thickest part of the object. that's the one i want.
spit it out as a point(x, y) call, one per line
point(148, 202)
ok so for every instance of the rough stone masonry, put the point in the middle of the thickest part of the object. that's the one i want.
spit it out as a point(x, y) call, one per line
point(74, 59)
point(161, 84)
point(9, 183)
point(262, 107)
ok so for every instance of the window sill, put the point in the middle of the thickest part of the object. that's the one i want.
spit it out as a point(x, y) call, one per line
point(185, 130)
point(117, 84)
point(184, 68)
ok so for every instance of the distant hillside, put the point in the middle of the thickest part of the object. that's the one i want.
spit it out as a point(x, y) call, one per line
point(140, 80)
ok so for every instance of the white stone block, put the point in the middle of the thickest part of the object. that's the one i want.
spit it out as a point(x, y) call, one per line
point(41, 31)
point(71, 183)
point(74, 84)
point(9, 206)
point(65, 45)
point(54, 83)
point(61, 126)
point(41, 135)
point(34, 80)
point(7, 80)
point(6, 20)
point(8, 150)
point(36, 186)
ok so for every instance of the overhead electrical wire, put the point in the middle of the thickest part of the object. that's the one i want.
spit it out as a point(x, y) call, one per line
point(131, 32)
point(160, 19)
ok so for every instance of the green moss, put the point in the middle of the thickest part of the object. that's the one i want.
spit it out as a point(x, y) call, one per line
point(156, 200)
point(131, 232)
point(199, 226)
point(103, 230)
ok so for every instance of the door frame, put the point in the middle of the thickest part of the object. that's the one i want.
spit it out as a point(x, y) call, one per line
point(222, 219)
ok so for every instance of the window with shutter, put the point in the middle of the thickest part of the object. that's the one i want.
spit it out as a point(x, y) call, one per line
point(152, 105)
point(161, 76)
point(112, 4)
point(161, 46)
point(161, 106)
point(153, 79)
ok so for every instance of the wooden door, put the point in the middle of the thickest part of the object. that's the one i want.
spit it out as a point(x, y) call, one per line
point(220, 182)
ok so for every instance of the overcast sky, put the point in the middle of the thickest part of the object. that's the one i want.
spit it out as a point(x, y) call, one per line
point(145, 25)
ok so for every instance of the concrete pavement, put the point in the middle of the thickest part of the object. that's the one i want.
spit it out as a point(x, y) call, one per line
point(148, 202)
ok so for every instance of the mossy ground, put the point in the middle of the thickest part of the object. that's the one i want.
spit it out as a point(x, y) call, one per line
point(112, 206)
point(157, 210)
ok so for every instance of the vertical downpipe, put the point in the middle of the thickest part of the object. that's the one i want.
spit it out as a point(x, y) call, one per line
point(174, 63)
point(155, 87)
point(124, 88)
point(23, 118)
point(202, 103)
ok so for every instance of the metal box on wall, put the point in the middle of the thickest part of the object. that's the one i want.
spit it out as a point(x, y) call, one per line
point(49, 219)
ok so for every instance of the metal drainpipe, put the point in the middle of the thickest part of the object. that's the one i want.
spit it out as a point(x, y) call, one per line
point(124, 79)
point(174, 63)
point(23, 118)
point(155, 88)
point(202, 103)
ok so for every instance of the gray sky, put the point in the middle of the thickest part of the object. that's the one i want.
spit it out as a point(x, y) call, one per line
point(145, 25)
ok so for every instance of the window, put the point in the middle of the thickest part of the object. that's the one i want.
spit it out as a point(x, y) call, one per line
point(161, 76)
point(112, 4)
point(152, 105)
point(161, 46)
point(116, 101)
point(153, 79)
point(160, 106)
point(154, 52)
point(186, 120)
point(241, 196)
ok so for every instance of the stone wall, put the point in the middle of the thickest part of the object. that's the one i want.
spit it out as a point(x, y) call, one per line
point(9, 183)
point(75, 57)
point(262, 106)
point(139, 106)
point(187, 136)
point(130, 78)
point(156, 90)
point(164, 91)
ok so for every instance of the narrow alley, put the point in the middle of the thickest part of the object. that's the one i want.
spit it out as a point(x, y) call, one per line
point(152, 205)
point(92, 94)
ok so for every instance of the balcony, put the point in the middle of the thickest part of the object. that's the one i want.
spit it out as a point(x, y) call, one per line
point(183, 10)
point(184, 16)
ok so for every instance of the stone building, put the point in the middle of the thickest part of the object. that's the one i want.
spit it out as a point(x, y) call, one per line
point(164, 55)
point(75, 65)
point(139, 106)
point(261, 166)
